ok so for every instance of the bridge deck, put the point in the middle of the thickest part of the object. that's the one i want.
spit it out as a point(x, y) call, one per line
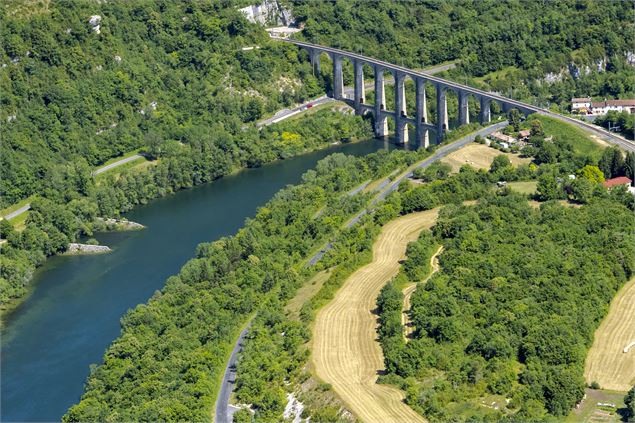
point(609, 136)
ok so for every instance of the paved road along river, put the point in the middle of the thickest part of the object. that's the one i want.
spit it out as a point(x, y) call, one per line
point(50, 340)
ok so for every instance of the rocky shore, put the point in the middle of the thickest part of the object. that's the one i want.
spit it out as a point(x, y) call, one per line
point(119, 224)
point(76, 249)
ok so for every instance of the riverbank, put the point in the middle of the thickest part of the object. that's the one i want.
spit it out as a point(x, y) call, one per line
point(76, 249)
point(311, 144)
point(111, 224)
point(103, 288)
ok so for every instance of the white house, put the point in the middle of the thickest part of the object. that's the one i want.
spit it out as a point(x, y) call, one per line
point(502, 138)
point(603, 107)
point(580, 105)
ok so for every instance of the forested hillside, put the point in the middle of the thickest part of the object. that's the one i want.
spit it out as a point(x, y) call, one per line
point(169, 78)
point(541, 48)
point(141, 73)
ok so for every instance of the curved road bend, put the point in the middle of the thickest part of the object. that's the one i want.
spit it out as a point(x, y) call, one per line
point(106, 168)
point(604, 134)
point(438, 154)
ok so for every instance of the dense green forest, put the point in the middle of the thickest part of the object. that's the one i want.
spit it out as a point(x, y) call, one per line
point(155, 72)
point(172, 79)
point(543, 51)
point(273, 365)
point(515, 307)
point(521, 290)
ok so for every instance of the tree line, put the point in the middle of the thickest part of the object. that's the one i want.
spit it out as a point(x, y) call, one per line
point(543, 52)
point(73, 199)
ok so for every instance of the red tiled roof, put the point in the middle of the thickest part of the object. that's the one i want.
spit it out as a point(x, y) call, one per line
point(620, 180)
point(614, 103)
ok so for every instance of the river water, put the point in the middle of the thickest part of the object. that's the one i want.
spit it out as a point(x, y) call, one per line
point(50, 340)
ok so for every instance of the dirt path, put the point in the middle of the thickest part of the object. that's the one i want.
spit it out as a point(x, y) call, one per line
point(607, 363)
point(346, 353)
point(410, 288)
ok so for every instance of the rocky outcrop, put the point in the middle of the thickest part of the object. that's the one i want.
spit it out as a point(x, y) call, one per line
point(269, 12)
point(119, 224)
point(75, 248)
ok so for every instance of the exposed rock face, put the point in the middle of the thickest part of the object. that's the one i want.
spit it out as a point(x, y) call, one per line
point(120, 225)
point(268, 12)
point(575, 71)
point(75, 248)
point(95, 21)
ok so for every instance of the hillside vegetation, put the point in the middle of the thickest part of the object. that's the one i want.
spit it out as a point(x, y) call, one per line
point(153, 74)
point(526, 40)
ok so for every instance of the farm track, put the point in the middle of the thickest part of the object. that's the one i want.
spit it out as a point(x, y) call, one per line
point(607, 363)
point(346, 353)
point(410, 289)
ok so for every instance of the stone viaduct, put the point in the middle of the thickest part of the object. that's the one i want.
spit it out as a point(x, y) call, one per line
point(420, 121)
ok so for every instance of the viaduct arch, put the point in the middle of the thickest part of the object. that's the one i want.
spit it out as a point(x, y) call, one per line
point(420, 121)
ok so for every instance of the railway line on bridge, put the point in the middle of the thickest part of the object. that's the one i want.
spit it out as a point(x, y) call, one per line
point(420, 121)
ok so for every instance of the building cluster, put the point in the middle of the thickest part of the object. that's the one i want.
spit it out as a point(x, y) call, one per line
point(506, 141)
point(587, 106)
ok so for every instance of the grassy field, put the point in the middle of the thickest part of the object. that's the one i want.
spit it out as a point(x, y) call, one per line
point(134, 166)
point(523, 187)
point(479, 156)
point(306, 292)
point(19, 222)
point(15, 206)
point(345, 352)
point(582, 142)
point(607, 363)
point(590, 412)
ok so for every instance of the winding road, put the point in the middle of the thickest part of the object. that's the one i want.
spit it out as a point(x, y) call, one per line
point(103, 169)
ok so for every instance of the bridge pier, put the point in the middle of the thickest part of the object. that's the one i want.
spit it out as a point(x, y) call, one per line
point(381, 122)
point(423, 137)
point(338, 78)
point(315, 61)
point(360, 95)
point(485, 116)
point(420, 122)
point(442, 113)
point(464, 111)
point(401, 127)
